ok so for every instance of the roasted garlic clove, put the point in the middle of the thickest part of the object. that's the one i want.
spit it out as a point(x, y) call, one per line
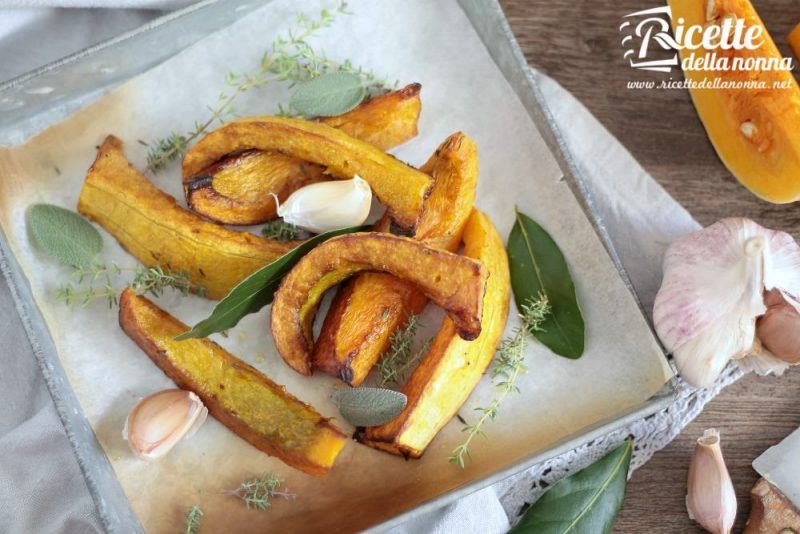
point(158, 422)
point(326, 206)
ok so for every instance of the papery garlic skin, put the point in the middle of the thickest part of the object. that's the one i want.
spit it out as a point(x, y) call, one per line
point(326, 206)
point(712, 292)
point(159, 421)
point(710, 497)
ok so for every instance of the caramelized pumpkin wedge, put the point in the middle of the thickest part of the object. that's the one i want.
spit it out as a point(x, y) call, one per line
point(398, 186)
point(238, 189)
point(155, 230)
point(753, 129)
point(372, 306)
point(239, 396)
point(452, 367)
point(453, 282)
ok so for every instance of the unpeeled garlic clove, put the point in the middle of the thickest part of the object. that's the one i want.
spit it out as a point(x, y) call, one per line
point(710, 497)
point(713, 291)
point(326, 206)
point(159, 421)
point(779, 328)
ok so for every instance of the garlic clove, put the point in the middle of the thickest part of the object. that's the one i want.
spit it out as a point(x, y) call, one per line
point(779, 328)
point(159, 421)
point(712, 293)
point(710, 497)
point(326, 206)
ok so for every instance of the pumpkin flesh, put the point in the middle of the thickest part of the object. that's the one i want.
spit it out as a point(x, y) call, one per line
point(235, 393)
point(754, 131)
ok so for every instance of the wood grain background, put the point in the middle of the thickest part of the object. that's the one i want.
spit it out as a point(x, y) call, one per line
point(577, 43)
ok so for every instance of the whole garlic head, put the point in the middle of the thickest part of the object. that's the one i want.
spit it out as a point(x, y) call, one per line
point(159, 421)
point(326, 206)
point(713, 291)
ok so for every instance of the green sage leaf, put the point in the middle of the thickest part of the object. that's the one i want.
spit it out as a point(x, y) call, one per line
point(587, 501)
point(369, 406)
point(258, 289)
point(538, 267)
point(329, 94)
point(63, 234)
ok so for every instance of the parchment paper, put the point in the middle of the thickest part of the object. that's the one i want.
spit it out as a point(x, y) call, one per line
point(431, 42)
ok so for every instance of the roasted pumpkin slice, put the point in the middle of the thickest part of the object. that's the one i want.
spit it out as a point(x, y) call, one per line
point(453, 282)
point(453, 366)
point(754, 130)
point(155, 230)
point(238, 189)
point(239, 396)
point(372, 306)
point(401, 188)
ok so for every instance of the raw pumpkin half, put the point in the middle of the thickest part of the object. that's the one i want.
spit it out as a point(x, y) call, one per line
point(756, 132)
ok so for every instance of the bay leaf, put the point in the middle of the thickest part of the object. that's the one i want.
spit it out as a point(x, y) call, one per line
point(63, 234)
point(587, 501)
point(328, 95)
point(369, 406)
point(258, 289)
point(537, 267)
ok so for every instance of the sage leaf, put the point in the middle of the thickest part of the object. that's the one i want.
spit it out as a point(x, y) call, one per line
point(587, 501)
point(258, 289)
point(538, 268)
point(63, 234)
point(369, 406)
point(329, 94)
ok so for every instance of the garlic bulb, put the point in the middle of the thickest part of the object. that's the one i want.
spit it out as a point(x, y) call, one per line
point(326, 206)
point(158, 422)
point(710, 498)
point(713, 291)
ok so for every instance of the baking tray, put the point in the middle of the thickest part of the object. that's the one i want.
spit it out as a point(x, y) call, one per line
point(74, 81)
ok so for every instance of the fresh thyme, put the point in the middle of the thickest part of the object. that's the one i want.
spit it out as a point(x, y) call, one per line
point(401, 356)
point(289, 59)
point(509, 365)
point(258, 492)
point(193, 516)
point(97, 282)
point(280, 230)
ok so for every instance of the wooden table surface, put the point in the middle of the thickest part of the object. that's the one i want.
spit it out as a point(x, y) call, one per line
point(577, 43)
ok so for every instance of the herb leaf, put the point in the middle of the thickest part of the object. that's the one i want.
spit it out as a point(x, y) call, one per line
point(258, 492)
point(327, 95)
point(258, 289)
point(538, 268)
point(193, 516)
point(369, 406)
point(587, 501)
point(64, 234)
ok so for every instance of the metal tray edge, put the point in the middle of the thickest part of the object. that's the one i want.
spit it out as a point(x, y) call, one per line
point(488, 18)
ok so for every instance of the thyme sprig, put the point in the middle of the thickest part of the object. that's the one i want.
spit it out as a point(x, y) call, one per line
point(258, 492)
point(290, 58)
point(193, 516)
point(98, 282)
point(510, 364)
point(280, 230)
point(401, 356)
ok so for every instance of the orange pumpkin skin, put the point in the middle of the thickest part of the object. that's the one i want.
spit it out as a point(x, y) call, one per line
point(794, 41)
point(755, 132)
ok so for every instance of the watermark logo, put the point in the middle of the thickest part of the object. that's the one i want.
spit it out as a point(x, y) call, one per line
point(653, 27)
point(719, 45)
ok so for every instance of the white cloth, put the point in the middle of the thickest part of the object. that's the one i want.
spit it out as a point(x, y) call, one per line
point(41, 487)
